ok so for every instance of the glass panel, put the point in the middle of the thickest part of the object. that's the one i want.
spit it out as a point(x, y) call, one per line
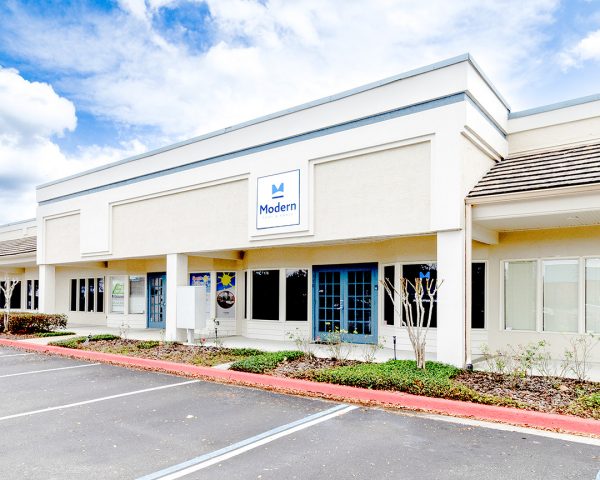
point(36, 294)
point(226, 294)
point(91, 290)
point(15, 299)
point(73, 294)
point(137, 294)
point(117, 294)
point(561, 287)
point(81, 307)
point(296, 295)
point(592, 295)
point(478, 295)
point(29, 295)
point(520, 283)
point(389, 275)
point(100, 295)
point(423, 271)
point(265, 295)
point(245, 294)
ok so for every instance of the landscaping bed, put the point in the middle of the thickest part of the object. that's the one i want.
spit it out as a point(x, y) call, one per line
point(169, 351)
point(25, 336)
point(546, 394)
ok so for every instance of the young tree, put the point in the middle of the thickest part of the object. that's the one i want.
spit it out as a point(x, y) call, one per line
point(414, 304)
point(7, 287)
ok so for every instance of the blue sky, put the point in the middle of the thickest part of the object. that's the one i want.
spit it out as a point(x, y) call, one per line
point(84, 83)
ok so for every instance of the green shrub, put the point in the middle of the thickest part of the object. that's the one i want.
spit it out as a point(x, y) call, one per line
point(586, 406)
point(404, 376)
point(70, 343)
point(104, 336)
point(27, 323)
point(77, 341)
point(54, 334)
point(244, 352)
point(265, 361)
point(147, 345)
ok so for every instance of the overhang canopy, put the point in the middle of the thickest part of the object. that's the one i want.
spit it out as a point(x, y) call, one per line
point(18, 246)
point(565, 167)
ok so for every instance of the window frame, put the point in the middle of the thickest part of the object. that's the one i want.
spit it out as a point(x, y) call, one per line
point(581, 322)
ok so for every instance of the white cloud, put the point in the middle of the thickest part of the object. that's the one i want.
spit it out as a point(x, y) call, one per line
point(588, 48)
point(259, 57)
point(264, 56)
point(31, 114)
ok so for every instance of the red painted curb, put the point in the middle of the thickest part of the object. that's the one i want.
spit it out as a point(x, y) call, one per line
point(513, 416)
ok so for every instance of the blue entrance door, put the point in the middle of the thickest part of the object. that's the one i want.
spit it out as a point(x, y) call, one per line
point(345, 300)
point(157, 300)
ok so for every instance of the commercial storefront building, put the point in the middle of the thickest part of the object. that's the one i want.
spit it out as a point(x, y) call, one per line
point(291, 221)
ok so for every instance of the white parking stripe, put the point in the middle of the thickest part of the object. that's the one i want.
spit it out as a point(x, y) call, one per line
point(49, 370)
point(204, 461)
point(95, 400)
point(15, 355)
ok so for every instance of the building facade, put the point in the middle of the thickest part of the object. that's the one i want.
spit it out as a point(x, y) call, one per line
point(291, 221)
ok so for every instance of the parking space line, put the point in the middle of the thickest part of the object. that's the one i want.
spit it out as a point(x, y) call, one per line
point(204, 461)
point(49, 370)
point(96, 400)
point(15, 355)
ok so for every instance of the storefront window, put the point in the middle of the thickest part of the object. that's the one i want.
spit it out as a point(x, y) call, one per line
point(592, 295)
point(421, 271)
point(561, 281)
point(225, 294)
point(389, 275)
point(478, 295)
point(117, 294)
point(100, 296)
point(91, 294)
point(265, 295)
point(520, 284)
point(137, 294)
point(296, 295)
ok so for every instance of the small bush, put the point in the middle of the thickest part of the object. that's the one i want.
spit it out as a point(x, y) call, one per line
point(586, 405)
point(265, 361)
point(104, 336)
point(54, 334)
point(77, 341)
point(27, 323)
point(70, 343)
point(147, 345)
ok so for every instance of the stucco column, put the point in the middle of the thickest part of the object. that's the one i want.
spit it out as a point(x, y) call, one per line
point(177, 275)
point(451, 297)
point(47, 278)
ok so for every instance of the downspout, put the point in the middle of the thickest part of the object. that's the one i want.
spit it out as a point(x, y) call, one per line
point(468, 285)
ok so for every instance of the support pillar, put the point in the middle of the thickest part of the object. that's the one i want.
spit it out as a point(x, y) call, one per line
point(47, 278)
point(451, 297)
point(177, 275)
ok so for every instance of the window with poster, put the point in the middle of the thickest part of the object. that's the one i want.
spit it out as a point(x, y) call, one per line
point(225, 294)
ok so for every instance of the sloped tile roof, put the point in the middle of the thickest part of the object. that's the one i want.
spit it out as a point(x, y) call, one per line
point(565, 167)
point(18, 246)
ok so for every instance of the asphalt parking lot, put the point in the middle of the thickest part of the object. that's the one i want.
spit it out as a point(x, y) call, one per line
point(68, 419)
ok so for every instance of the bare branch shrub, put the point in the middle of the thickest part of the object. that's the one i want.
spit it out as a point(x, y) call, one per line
point(416, 318)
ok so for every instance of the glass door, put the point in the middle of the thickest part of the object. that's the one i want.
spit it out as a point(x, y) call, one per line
point(345, 300)
point(157, 300)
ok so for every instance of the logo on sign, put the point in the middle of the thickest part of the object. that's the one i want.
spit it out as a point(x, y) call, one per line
point(278, 200)
point(277, 191)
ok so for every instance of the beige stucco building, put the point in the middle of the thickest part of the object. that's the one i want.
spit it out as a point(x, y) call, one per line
point(290, 221)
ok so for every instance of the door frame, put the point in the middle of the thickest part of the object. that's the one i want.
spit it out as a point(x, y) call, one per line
point(149, 278)
point(344, 268)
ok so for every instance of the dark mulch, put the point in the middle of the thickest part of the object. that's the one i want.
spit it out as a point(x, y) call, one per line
point(172, 352)
point(548, 394)
point(16, 336)
point(299, 368)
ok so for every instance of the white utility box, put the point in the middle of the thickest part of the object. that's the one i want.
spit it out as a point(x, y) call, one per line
point(191, 311)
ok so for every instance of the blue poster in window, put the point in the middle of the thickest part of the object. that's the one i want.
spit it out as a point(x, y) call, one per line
point(226, 294)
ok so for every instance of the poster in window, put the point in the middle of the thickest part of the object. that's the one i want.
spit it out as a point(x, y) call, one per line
point(117, 295)
point(226, 294)
point(202, 279)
